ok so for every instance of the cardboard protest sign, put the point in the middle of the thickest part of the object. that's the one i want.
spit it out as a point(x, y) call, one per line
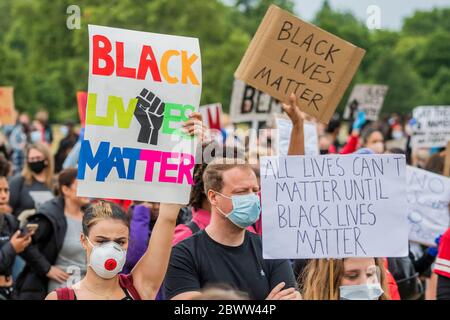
point(432, 126)
point(250, 104)
point(428, 198)
point(142, 87)
point(368, 98)
point(334, 206)
point(288, 55)
point(211, 114)
point(7, 110)
point(82, 101)
point(284, 128)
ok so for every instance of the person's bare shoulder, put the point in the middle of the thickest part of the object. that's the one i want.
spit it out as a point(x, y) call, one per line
point(51, 296)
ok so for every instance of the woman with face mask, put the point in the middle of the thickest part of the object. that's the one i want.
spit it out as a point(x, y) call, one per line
point(105, 239)
point(372, 139)
point(353, 279)
point(34, 185)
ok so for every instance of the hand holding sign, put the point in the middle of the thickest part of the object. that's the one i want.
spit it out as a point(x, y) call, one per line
point(195, 126)
point(150, 114)
point(293, 111)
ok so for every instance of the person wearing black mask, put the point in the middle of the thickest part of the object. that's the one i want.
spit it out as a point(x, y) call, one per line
point(34, 185)
point(56, 257)
point(12, 240)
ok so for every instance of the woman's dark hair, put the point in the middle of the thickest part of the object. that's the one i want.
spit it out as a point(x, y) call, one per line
point(367, 132)
point(5, 166)
point(102, 210)
point(66, 178)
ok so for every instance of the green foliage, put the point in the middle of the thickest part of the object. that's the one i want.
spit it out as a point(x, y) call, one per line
point(47, 63)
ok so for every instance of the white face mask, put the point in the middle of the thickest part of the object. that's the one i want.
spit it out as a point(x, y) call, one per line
point(377, 147)
point(368, 291)
point(107, 259)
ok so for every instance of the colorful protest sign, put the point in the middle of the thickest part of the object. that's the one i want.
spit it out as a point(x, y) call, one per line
point(368, 98)
point(284, 128)
point(211, 114)
point(288, 55)
point(334, 206)
point(7, 110)
point(432, 126)
point(428, 198)
point(142, 87)
point(250, 104)
point(82, 101)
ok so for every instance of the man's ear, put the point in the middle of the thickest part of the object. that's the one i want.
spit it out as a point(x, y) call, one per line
point(212, 197)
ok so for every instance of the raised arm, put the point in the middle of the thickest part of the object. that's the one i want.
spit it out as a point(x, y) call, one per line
point(149, 272)
point(297, 140)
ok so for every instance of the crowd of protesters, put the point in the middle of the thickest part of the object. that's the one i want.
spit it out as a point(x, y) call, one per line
point(57, 245)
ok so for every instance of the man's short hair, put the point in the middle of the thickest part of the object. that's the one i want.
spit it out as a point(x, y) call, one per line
point(213, 175)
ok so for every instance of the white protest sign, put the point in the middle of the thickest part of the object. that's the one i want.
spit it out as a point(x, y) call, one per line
point(334, 206)
point(250, 104)
point(212, 114)
point(142, 87)
point(432, 126)
point(368, 98)
point(428, 198)
point(284, 128)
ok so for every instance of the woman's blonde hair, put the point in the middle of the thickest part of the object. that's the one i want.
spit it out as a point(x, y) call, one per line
point(102, 210)
point(28, 174)
point(316, 279)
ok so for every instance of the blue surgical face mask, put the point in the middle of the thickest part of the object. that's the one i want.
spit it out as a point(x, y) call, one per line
point(246, 209)
point(368, 291)
point(35, 136)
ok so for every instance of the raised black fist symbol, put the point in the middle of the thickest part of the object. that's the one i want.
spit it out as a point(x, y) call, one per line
point(149, 113)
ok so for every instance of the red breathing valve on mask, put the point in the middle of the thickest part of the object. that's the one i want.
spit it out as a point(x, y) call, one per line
point(110, 264)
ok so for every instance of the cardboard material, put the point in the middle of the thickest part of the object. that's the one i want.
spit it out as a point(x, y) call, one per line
point(368, 98)
point(7, 110)
point(288, 55)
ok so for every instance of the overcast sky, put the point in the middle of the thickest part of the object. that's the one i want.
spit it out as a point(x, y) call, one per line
point(392, 12)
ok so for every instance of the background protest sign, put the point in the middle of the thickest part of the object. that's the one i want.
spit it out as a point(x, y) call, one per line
point(284, 128)
point(288, 55)
point(334, 206)
point(368, 98)
point(250, 104)
point(432, 126)
point(82, 101)
point(212, 114)
point(142, 87)
point(7, 110)
point(428, 196)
